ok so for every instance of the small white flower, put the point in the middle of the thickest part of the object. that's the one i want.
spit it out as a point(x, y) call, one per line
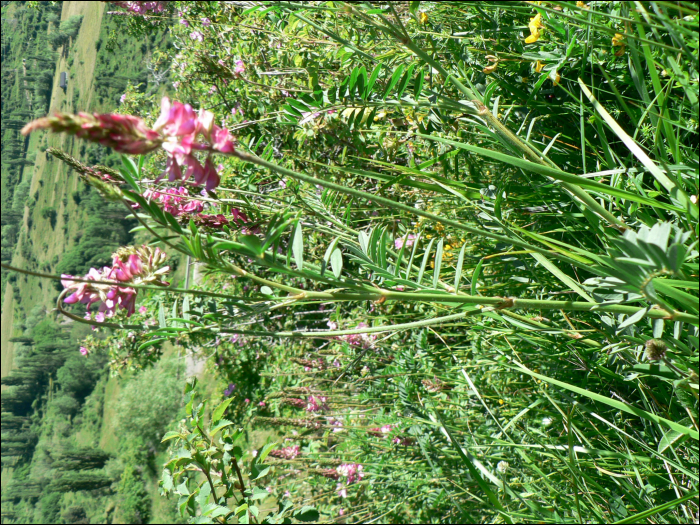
point(546, 421)
point(502, 467)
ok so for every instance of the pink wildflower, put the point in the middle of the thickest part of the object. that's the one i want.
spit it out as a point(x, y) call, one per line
point(286, 453)
point(206, 22)
point(353, 472)
point(176, 131)
point(361, 340)
point(122, 133)
point(143, 310)
point(84, 351)
point(316, 404)
point(410, 239)
point(140, 266)
point(240, 67)
point(197, 35)
point(122, 98)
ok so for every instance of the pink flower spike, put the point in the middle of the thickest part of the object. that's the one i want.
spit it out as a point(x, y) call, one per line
point(196, 169)
point(172, 169)
point(222, 140)
point(211, 177)
point(206, 121)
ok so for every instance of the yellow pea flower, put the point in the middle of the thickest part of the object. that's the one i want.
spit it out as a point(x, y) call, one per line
point(619, 40)
point(581, 5)
point(534, 25)
point(423, 18)
point(490, 69)
point(539, 66)
point(556, 79)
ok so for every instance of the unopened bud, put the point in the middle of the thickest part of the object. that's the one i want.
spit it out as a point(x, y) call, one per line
point(655, 349)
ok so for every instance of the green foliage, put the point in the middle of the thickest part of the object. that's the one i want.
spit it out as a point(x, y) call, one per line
point(78, 375)
point(144, 422)
point(66, 405)
point(51, 214)
point(134, 502)
point(50, 507)
point(80, 480)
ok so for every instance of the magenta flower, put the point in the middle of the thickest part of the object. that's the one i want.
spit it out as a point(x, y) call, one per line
point(143, 310)
point(176, 131)
point(240, 67)
point(361, 340)
point(122, 133)
point(130, 265)
point(122, 98)
point(316, 404)
point(286, 453)
point(206, 22)
point(353, 472)
point(84, 351)
point(196, 35)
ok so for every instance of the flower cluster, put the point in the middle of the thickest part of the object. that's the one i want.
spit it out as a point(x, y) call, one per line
point(210, 221)
point(386, 430)
point(175, 201)
point(122, 133)
point(180, 125)
point(381, 431)
point(141, 8)
point(316, 404)
point(176, 131)
point(351, 471)
point(410, 239)
point(362, 340)
point(286, 453)
point(129, 265)
point(535, 25)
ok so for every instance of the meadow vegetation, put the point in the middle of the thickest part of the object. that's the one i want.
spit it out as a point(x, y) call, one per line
point(448, 270)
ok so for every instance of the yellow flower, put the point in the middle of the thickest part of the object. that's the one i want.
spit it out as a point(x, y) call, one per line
point(524, 80)
point(534, 25)
point(581, 5)
point(619, 40)
point(539, 66)
point(423, 18)
point(490, 69)
point(556, 79)
point(501, 402)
